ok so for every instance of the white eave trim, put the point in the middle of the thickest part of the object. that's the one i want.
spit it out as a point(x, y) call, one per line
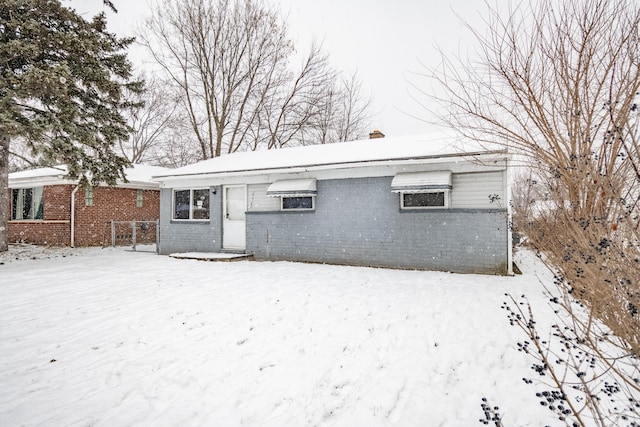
point(445, 158)
point(421, 182)
point(39, 182)
point(293, 188)
point(138, 185)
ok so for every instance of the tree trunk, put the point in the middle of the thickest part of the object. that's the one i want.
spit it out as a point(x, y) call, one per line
point(4, 192)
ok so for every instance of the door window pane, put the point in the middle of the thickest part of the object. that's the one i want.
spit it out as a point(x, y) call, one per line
point(235, 203)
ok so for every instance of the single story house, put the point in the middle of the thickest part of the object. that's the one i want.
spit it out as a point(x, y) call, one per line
point(47, 208)
point(423, 202)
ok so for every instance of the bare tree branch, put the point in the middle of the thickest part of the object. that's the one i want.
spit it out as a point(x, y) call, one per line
point(231, 61)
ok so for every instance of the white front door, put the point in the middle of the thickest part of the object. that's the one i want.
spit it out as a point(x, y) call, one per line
point(233, 222)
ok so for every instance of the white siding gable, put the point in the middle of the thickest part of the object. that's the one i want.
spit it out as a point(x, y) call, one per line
point(477, 190)
point(258, 199)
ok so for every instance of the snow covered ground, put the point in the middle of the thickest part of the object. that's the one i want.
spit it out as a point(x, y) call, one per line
point(109, 337)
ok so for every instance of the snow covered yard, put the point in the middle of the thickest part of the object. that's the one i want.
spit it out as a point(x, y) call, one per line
point(106, 337)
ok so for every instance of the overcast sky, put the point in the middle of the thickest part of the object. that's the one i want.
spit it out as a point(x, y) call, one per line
point(385, 41)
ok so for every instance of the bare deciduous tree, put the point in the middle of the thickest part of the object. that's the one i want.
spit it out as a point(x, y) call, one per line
point(345, 114)
point(176, 148)
point(231, 61)
point(160, 131)
point(558, 83)
point(290, 111)
point(560, 88)
point(150, 114)
point(354, 114)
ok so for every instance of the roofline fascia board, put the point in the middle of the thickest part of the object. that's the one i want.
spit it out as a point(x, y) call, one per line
point(40, 182)
point(339, 165)
point(136, 185)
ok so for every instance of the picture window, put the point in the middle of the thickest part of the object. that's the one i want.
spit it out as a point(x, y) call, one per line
point(191, 204)
point(27, 203)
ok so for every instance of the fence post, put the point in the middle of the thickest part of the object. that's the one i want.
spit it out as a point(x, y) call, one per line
point(113, 233)
point(157, 236)
point(133, 234)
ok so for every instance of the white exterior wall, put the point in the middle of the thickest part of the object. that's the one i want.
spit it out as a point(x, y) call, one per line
point(258, 201)
point(476, 190)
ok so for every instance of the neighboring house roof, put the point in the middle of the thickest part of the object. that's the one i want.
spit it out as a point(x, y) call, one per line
point(139, 176)
point(344, 154)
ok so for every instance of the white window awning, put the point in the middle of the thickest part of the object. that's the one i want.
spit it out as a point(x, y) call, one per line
point(293, 188)
point(421, 182)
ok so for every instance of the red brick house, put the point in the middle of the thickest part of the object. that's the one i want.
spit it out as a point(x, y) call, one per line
point(49, 209)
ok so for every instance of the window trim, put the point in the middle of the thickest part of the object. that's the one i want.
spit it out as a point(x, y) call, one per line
point(191, 191)
point(447, 197)
point(312, 208)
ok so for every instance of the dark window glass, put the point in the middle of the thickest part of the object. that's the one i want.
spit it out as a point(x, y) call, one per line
point(423, 200)
point(201, 204)
point(26, 203)
point(181, 200)
point(297, 202)
point(15, 204)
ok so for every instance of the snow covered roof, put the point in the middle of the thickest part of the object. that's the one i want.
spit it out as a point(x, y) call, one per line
point(144, 173)
point(139, 176)
point(346, 153)
point(47, 172)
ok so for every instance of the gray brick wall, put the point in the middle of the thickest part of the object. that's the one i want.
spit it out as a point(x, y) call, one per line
point(190, 236)
point(358, 221)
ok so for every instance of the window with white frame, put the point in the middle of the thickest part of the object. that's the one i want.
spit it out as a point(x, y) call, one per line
point(192, 204)
point(423, 190)
point(295, 194)
point(27, 203)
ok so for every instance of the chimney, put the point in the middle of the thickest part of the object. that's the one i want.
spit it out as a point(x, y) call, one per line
point(376, 134)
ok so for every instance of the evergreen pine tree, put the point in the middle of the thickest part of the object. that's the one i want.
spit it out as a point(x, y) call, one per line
point(61, 81)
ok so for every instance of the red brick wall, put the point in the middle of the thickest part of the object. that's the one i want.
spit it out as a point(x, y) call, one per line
point(54, 229)
point(92, 223)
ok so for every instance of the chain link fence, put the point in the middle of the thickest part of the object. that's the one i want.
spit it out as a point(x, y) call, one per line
point(134, 233)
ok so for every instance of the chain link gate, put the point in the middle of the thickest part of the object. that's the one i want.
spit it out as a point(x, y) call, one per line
point(134, 232)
